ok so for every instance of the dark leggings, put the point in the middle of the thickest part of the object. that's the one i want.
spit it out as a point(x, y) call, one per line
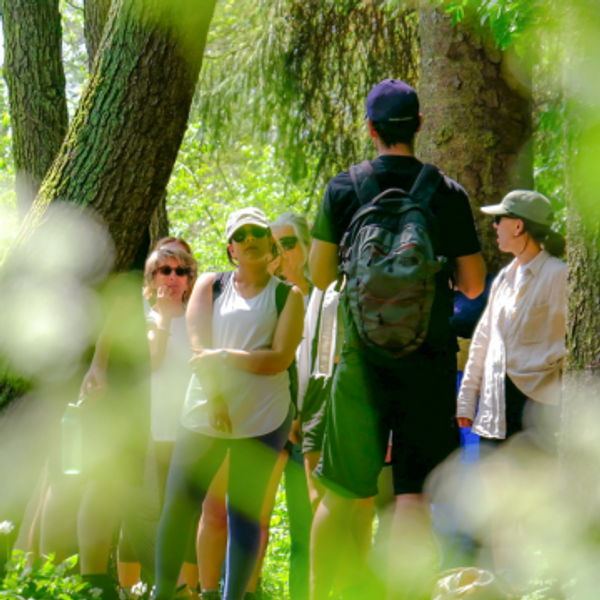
point(196, 460)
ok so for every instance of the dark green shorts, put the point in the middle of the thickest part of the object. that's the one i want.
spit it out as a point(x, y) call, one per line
point(416, 401)
point(313, 414)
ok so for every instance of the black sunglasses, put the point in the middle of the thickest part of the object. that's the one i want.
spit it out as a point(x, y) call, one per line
point(179, 271)
point(254, 230)
point(499, 218)
point(288, 242)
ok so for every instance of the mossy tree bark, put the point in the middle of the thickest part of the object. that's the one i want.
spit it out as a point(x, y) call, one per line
point(35, 77)
point(121, 147)
point(582, 366)
point(95, 16)
point(477, 115)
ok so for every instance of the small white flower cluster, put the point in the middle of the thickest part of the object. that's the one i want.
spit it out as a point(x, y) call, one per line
point(139, 589)
point(134, 592)
point(6, 527)
point(96, 592)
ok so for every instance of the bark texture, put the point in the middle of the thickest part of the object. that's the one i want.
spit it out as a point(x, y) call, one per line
point(582, 381)
point(35, 77)
point(121, 147)
point(477, 116)
point(95, 14)
point(159, 225)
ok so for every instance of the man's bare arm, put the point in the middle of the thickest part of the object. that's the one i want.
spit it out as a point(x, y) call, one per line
point(323, 262)
point(470, 275)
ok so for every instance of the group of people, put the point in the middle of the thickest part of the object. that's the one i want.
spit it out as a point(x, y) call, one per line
point(253, 375)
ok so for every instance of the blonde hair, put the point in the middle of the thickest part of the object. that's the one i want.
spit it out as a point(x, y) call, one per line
point(173, 240)
point(156, 260)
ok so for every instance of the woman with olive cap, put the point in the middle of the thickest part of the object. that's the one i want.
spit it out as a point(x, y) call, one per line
point(515, 359)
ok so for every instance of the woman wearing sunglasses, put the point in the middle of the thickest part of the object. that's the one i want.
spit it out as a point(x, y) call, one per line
point(238, 402)
point(515, 359)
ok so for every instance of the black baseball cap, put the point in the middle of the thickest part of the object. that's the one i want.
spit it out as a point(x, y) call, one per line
point(392, 101)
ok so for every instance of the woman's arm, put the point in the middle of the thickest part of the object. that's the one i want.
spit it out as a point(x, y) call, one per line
point(94, 381)
point(159, 329)
point(288, 335)
point(199, 313)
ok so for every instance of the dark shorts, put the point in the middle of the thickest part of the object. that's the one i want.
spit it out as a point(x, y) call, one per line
point(313, 414)
point(416, 400)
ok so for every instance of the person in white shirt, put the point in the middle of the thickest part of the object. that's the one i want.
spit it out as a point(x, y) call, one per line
point(238, 401)
point(515, 359)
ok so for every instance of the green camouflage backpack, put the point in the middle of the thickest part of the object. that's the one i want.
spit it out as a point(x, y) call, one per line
point(388, 262)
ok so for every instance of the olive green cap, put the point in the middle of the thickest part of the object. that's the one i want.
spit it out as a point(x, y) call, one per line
point(526, 204)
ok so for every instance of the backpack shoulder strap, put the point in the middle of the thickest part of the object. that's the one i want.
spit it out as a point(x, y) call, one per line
point(219, 284)
point(282, 291)
point(426, 184)
point(364, 182)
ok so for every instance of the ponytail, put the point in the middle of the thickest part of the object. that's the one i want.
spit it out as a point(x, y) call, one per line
point(554, 244)
point(551, 241)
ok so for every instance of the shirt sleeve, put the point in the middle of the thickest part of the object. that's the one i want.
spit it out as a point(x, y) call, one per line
point(470, 386)
point(336, 211)
point(458, 235)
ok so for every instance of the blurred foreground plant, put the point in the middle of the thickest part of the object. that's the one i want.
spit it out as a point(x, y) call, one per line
point(44, 580)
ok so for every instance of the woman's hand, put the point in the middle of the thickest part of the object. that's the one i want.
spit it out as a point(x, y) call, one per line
point(206, 365)
point(205, 359)
point(94, 384)
point(464, 422)
point(219, 415)
point(166, 305)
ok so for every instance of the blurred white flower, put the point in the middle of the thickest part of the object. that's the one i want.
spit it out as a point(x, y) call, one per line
point(96, 592)
point(139, 589)
point(6, 527)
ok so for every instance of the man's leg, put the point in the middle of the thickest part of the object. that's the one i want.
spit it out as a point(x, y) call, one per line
point(330, 537)
point(424, 433)
point(300, 516)
point(354, 449)
point(412, 552)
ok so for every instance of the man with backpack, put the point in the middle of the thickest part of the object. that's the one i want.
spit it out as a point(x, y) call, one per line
point(399, 235)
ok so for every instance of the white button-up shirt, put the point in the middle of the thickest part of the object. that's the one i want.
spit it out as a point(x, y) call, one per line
point(521, 334)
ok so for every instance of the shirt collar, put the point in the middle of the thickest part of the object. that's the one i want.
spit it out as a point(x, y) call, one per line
point(534, 266)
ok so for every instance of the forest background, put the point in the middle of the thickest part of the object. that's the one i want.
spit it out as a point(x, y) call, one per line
point(508, 89)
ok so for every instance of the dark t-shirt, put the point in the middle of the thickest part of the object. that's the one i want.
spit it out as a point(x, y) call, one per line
point(457, 234)
point(456, 228)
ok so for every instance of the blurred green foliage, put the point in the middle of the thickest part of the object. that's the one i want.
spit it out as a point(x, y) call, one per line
point(43, 580)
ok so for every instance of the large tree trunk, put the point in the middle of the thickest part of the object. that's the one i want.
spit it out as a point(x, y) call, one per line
point(95, 15)
point(95, 18)
point(582, 380)
point(36, 84)
point(477, 116)
point(123, 142)
point(116, 159)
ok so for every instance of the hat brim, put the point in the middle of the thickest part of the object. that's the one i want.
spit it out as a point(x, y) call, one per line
point(248, 220)
point(495, 209)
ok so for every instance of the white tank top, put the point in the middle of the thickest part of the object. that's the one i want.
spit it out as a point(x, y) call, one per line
point(258, 404)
